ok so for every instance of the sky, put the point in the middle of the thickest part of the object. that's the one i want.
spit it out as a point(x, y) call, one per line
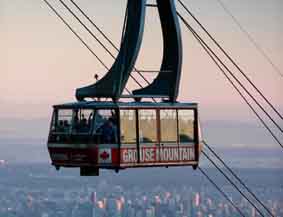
point(42, 62)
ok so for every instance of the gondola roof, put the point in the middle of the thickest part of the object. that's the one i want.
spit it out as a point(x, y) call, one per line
point(110, 104)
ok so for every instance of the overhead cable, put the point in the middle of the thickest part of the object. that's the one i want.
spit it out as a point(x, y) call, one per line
point(230, 58)
point(232, 183)
point(237, 177)
point(251, 39)
point(76, 34)
point(73, 31)
point(97, 39)
point(105, 36)
point(211, 53)
point(221, 191)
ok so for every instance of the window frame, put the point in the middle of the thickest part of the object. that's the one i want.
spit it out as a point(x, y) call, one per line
point(176, 141)
point(157, 127)
point(79, 110)
point(135, 123)
point(55, 119)
point(194, 124)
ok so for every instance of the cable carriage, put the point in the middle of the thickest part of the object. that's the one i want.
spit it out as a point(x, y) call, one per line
point(93, 135)
point(117, 134)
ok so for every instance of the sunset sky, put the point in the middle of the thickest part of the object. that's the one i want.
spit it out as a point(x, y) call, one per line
point(42, 63)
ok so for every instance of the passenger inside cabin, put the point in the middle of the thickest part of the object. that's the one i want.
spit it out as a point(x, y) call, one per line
point(66, 126)
point(108, 131)
point(60, 126)
point(81, 125)
point(84, 127)
point(76, 123)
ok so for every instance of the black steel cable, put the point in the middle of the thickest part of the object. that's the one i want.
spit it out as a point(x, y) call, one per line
point(232, 183)
point(232, 61)
point(105, 36)
point(97, 28)
point(238, 178)
point(74, 32)
point(238, 81)
point(251, 39)
point(210, 52)
point(97, 39)
point(203, 44)
point(89, 31)
point(221, 191)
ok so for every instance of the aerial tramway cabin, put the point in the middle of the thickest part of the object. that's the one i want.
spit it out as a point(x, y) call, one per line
point(137, 135)
point(110, 133)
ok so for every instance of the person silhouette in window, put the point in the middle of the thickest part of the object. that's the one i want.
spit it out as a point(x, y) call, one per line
point(109, 132)
point(66, 126)
point(60, 127)
point(84, 127)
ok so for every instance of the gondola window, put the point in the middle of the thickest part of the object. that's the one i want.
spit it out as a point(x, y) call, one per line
point(147, 126)
point(128, 126)
point(168, 124)
point(186, 125)
point(63, 121)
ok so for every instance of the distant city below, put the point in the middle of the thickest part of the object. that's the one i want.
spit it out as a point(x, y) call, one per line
point(37, 190)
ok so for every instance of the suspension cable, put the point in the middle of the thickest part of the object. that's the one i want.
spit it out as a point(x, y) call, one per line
point(251, 39)
point(221, 191)
point(105, 36)
point(237, 177)
point(97, 28)
point(232, 74)
point(73, 31)
point(230, 58)
point(76, 34)
point(97, 39)
point(210, 53)
point(232, 183)
point(205, 47)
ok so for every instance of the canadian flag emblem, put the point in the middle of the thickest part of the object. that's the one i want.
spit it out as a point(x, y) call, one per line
point(104, 155)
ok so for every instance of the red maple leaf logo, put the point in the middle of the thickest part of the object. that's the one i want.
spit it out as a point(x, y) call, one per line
point(104, 155)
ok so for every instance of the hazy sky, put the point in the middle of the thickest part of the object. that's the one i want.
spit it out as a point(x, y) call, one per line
point(42, 63)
